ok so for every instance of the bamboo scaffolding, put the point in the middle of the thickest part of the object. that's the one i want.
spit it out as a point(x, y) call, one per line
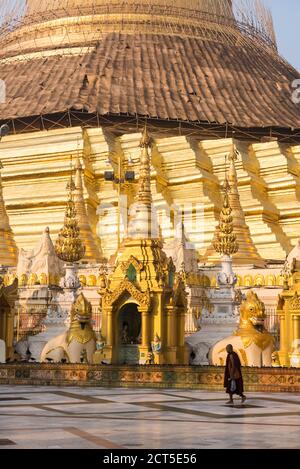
point(251, 15)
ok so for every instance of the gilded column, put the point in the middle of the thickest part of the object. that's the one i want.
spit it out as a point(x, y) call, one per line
point(283, 342)
point(181, 321)
point(171, 335)
point(109, 327)
point(296, 331)
point(181, 358)
point(170, 331)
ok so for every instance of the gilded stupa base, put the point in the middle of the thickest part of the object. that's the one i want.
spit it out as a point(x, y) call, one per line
point(273, 232)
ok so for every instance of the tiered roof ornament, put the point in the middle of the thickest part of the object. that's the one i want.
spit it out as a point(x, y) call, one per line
point(69, 247)
point(226, 241)
point(247, 252)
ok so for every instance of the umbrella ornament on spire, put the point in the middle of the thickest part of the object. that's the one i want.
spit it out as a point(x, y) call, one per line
point(69, 247)
point(144, 189)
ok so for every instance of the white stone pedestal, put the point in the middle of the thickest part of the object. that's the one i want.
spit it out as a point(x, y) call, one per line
point(58, 315)
point(56, 324)
point(213, 330)
point(222, 322)
point(2, 351)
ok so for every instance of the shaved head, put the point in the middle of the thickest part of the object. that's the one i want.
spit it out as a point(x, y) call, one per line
point(229, 348)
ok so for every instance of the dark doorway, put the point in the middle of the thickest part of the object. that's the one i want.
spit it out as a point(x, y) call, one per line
point(130, 325)
point(129, 331)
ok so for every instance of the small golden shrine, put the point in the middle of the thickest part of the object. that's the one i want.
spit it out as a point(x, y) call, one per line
point(143, 301)
point(288, 310)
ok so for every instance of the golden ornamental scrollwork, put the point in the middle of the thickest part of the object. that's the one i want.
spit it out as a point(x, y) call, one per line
point(69, 247)
point(131, 261)
point(213, 282)
point(32, 279)
point(109, 298)
point(23, 280)
point(82, 280)
point(248, 281)
point(271, 280)
point(294, 303)
point(259, 280)
point(91, 281)
point(226, 240)
point(43, 279)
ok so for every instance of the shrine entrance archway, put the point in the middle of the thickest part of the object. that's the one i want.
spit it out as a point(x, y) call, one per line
point(129, 334)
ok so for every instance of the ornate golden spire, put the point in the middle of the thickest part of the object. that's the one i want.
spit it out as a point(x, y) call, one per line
point(144, 190)
point(143, 224)
point(226, 243)
point(8, 248)
point(92, 253)
point(247, 250)
point(69, 247)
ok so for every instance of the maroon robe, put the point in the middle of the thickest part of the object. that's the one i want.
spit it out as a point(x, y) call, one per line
point(233, 370)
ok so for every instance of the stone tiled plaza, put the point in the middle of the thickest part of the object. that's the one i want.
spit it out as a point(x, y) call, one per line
point(103, 418)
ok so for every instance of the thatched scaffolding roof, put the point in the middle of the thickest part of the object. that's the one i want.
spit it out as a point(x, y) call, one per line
point(190, 64)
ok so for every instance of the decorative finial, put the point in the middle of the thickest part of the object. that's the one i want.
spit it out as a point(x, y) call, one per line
point(143, 223)
point(144, 188)
point(146, 139)
point(78, 165)
point(226, 186)
point(78, 175)
point(71, 187)
point(226, 243)
point(234, 155)
point(69, 247)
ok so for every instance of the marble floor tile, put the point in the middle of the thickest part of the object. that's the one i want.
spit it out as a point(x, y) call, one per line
point(77, 417)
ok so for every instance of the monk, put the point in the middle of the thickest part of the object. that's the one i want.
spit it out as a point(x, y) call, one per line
point(233, 380)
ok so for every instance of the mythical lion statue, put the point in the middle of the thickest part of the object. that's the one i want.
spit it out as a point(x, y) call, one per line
point(79, 339)
point(251, 341)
